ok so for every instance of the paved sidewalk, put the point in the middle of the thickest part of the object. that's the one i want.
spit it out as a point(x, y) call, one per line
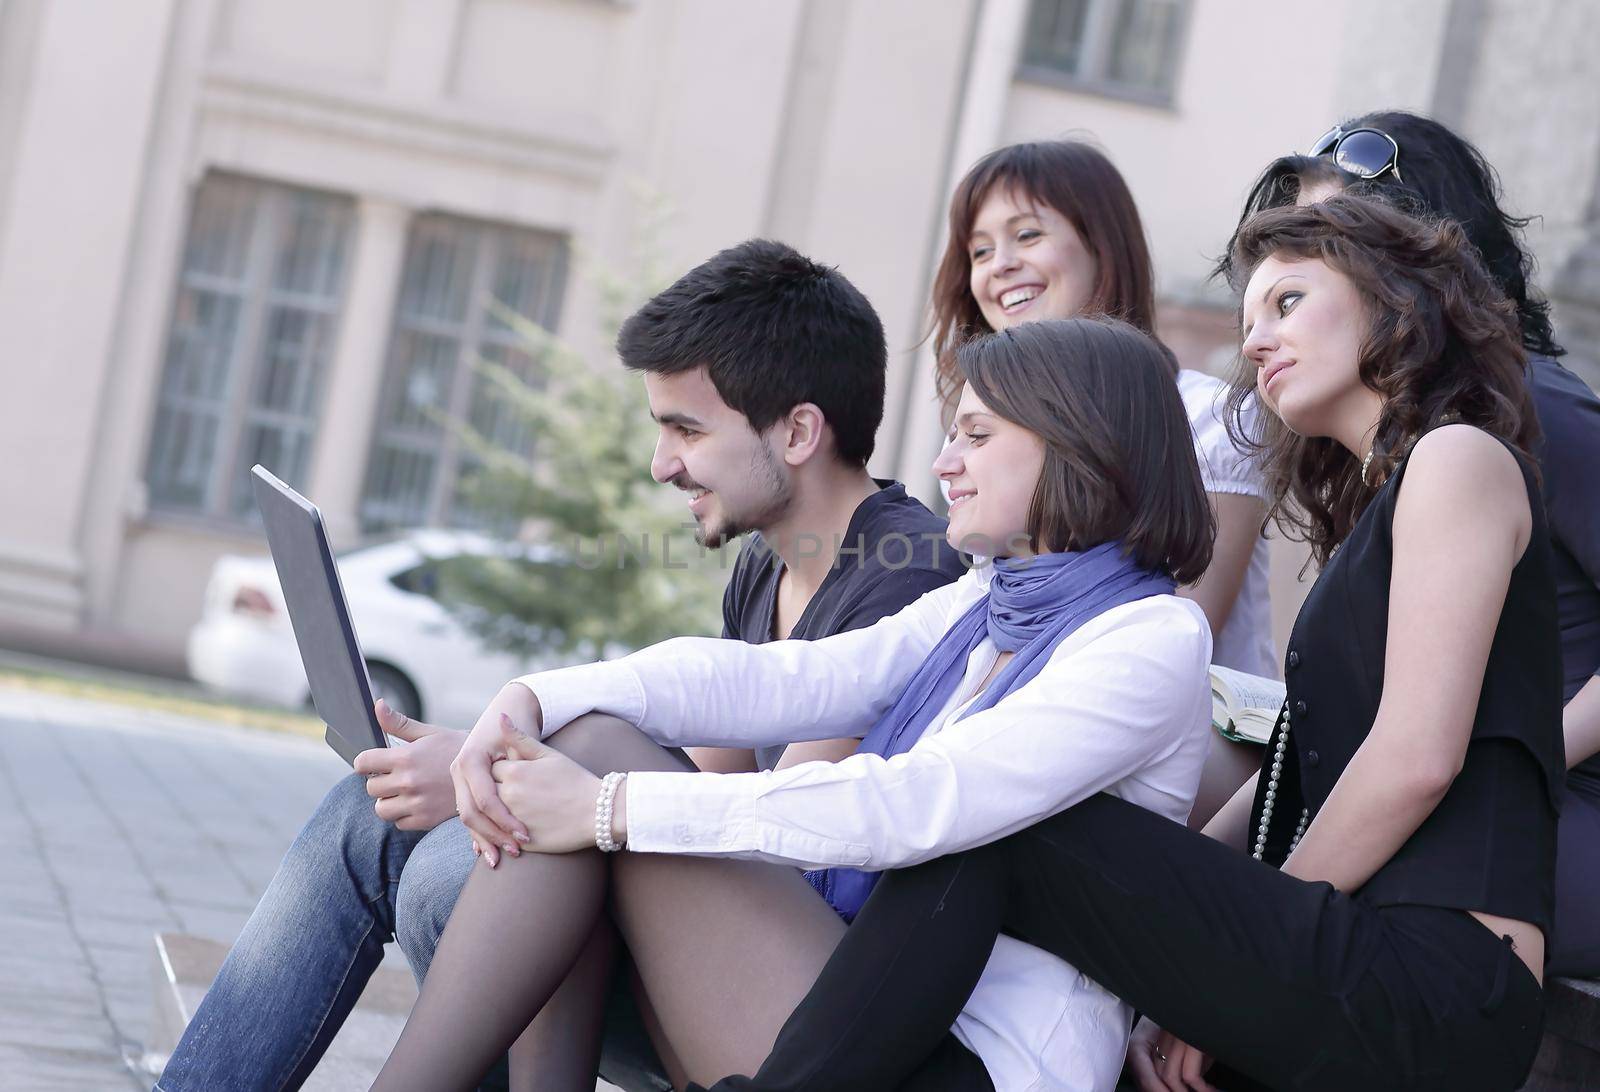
point(115, 824)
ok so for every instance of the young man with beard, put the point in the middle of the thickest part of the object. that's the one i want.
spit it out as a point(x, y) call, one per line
point(765, 373)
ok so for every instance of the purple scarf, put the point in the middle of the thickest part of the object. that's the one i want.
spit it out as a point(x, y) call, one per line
point(1033, 605)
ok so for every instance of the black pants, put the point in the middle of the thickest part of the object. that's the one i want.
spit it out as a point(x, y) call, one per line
point(1291, 984)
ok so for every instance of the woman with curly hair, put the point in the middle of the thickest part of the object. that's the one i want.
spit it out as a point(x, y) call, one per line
point(1371, 911)
point(1420, 164)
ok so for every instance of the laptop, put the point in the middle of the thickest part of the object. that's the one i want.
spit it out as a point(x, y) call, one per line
point(335, 668)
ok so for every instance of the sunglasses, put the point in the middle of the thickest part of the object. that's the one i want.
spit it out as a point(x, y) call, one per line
point(1365, 153)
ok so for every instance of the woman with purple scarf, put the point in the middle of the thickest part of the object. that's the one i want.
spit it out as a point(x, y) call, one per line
point(1063, 669)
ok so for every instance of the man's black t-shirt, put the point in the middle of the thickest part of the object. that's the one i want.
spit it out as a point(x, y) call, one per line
point(892, 553)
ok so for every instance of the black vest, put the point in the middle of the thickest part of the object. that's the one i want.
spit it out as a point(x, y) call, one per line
point(1490, 844)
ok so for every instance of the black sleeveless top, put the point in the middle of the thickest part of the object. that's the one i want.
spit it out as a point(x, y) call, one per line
point(1490, 844)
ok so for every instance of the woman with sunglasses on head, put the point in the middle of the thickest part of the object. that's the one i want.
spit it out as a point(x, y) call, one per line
point(1370, 912)
point(1049, 230)
point(1062, 669)
point(1421, 164)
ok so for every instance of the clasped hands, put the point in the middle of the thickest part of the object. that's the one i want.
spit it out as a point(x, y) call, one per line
point(515, 793)
point(511, 791)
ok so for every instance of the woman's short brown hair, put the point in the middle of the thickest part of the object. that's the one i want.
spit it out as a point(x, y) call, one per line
point(1119, 461)
point(1079, 182)
point(1442, 339)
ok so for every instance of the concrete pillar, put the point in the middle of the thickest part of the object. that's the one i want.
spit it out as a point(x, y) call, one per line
point(807, 110)
point(115, 499)
point(422, 49)
point(67, 227)
point(350, 401)
point(19, 32)
point(991, 67)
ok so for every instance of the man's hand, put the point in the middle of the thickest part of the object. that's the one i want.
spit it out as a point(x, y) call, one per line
point(411, 783)
point(494, 829)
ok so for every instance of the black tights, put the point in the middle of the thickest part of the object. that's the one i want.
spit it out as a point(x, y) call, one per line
point(1292, 984)
point(724, 950)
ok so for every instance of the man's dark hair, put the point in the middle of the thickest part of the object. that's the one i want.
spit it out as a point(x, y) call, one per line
point(773, 329)
point(1444, 175)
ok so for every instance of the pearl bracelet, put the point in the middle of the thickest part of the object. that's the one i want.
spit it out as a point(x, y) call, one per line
point(604, 806)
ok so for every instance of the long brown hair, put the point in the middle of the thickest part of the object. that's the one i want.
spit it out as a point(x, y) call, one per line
point(1442, 341)
point(1080, 183)
point(1119, 461)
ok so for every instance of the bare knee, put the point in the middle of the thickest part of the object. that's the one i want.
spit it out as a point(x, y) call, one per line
point(602, 743)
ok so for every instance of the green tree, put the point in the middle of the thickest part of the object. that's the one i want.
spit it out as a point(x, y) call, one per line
point(606, 557)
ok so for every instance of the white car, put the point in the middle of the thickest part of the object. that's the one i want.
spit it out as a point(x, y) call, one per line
point(422, 660)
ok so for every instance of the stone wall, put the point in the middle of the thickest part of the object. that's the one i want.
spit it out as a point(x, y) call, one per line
point(1522, 83)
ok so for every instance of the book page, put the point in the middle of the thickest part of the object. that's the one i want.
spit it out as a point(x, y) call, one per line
point(1252, 726)
point(1245, 691)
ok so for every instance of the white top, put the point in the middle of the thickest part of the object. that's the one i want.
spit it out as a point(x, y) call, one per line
point(1122, 706)
point(1245, 642)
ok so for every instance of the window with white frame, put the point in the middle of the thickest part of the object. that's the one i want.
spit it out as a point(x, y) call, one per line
point(252, 332)
point(1124, 48)
point(458, 273)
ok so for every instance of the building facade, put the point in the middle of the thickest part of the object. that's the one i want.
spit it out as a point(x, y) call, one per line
point(282, 230)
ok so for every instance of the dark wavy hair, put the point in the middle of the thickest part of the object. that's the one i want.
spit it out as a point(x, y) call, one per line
point(737, 315)
point(1076, 180)
point(1119, 461)
point(1442, 341)
point(1444, 176)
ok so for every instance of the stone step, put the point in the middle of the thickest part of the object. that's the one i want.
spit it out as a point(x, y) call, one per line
point(1569, 1056)
point(184, 967)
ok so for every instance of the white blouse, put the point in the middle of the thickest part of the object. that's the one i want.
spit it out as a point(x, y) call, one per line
point(1245, 642)
point(1122, 706)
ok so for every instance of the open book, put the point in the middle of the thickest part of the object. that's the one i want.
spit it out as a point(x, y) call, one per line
point(1244, 707)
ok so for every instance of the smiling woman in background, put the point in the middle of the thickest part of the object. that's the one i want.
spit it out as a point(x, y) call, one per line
point(1049, 230)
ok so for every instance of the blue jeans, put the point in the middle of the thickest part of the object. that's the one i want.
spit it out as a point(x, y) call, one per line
point(349, 884)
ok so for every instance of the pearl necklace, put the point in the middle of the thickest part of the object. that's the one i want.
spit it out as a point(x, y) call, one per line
point(1273, 778)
